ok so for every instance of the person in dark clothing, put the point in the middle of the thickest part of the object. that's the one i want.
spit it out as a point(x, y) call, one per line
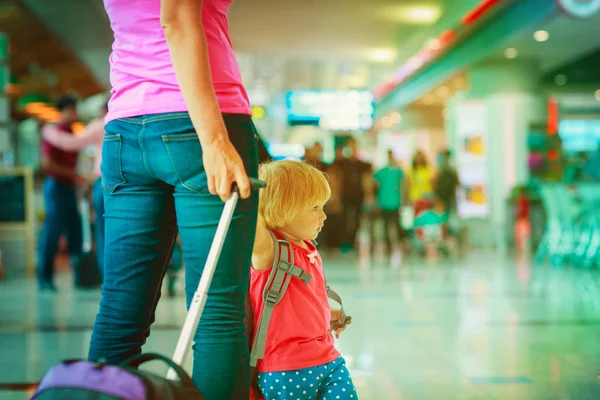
point(60, 200)
point(313, 155)
point(331, 234)
point(263, 153)
point(446, 182)
point(354, 174)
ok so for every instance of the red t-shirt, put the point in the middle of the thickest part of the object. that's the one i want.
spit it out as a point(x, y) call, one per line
point(66, 159)
point(299, 333)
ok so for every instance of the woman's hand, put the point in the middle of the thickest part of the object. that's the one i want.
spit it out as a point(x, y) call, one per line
point(224, 167)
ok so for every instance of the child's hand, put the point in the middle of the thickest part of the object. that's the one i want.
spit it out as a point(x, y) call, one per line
point(337, 323)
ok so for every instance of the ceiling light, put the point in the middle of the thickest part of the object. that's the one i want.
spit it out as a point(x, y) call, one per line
point(442, 91)
point(382, 55)
point(560, 80)
point(433, 44)
point(511, 53)
point(422, 14)
point(386, 122)
point(597, 94)
point(541, 36)
point(395, 117)
point(411, 15)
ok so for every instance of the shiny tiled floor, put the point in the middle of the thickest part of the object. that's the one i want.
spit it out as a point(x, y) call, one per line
point(489, 327)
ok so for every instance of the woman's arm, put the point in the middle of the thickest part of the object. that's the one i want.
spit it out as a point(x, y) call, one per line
point(67, 141)
point(182, 25)
point(263, 251)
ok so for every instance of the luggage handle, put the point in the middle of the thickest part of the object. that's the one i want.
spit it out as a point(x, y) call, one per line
point(255, 184)
point(139, 359)
point(199, 300)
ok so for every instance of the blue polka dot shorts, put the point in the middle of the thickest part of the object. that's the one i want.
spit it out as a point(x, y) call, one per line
point(324, 382)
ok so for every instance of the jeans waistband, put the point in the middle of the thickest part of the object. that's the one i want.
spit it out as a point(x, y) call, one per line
point(150, 118)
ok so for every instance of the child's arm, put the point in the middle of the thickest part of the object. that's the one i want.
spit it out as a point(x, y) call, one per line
point(262, 253)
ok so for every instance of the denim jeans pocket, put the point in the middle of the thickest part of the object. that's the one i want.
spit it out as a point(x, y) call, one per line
point(112, 172)
point(185, 153)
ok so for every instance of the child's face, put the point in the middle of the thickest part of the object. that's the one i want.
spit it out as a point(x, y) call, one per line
point(307, 224)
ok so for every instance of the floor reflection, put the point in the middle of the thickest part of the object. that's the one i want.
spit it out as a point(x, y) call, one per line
point(486, 327)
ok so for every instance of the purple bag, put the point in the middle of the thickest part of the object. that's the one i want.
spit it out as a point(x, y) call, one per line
point(81, 379)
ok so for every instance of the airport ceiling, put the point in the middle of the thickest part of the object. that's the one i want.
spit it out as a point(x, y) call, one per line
point(374, 35)
point(284, 43)
point(568, 40)
point(41, 61)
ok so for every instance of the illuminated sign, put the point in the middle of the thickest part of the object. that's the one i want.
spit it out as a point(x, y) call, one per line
point(579, 135)
point(280, 151)
point(331, 109)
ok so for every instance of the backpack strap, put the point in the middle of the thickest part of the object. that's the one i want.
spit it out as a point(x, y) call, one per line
point(279, 279)
point(336, 297)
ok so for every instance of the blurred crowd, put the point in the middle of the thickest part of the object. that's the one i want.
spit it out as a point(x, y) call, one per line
point(364, 195)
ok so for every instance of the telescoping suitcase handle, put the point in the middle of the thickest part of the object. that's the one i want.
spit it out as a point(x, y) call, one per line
point(199, 299)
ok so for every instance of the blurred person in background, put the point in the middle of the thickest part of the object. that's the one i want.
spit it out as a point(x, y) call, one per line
point(263, 153)
point(60, 201)
point(446, 182)
point(91, 136)
point(591, 164)
point(332, 237)
point(421, 177)
point(175, 265)
point(314, 156)
point(356, 173)
point(391, 190)
point(179, 135)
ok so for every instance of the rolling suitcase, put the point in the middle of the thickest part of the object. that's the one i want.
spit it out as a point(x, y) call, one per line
point(82, 379)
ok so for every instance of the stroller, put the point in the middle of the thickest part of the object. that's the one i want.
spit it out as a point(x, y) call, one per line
point(431, 231)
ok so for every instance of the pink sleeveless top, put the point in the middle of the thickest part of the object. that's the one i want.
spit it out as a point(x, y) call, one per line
point(298, 335)
point(141, 73)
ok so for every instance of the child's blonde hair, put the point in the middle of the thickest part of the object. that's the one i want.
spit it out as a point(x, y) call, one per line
point(292, 186)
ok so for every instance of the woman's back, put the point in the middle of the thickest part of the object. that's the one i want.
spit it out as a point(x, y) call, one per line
point(141, 72)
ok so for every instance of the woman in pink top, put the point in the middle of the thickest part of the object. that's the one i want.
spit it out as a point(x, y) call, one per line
point(300, 360)
point(92, 136)
point(179, 134)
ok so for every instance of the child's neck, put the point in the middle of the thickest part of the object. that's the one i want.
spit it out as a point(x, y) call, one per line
point(297, 242)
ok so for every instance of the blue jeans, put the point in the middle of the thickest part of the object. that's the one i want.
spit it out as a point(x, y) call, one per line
point(155, 186)
point(62, 218)
point(98, 203)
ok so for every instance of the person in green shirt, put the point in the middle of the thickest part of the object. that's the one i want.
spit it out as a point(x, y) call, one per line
point(391, 184)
